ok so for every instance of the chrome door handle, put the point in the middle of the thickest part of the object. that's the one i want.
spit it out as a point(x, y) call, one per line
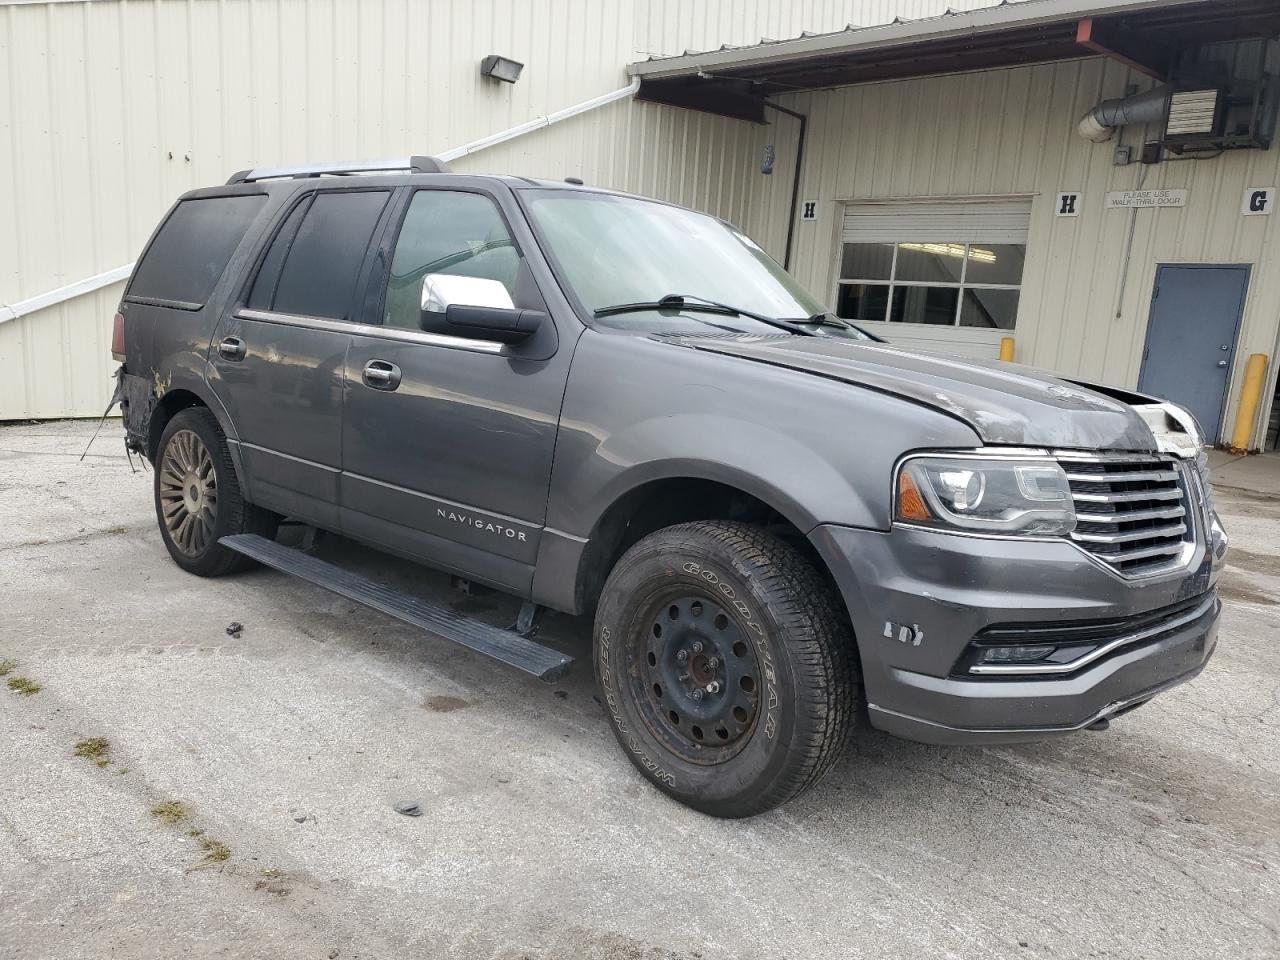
point(231, 348)
point(381, 375)
point(1222, 363)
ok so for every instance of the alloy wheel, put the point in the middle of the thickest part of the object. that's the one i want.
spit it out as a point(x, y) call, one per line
point(188, 492)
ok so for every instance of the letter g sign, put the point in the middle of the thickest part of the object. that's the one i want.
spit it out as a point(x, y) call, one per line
point(1258, 201)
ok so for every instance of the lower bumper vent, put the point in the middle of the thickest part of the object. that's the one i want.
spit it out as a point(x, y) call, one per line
point(1027, 650)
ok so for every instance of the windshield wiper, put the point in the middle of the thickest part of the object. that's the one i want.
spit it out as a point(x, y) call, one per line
point(827, 320)
point(681, 301)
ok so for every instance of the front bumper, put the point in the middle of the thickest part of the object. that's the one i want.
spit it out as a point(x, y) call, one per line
point(917, 598)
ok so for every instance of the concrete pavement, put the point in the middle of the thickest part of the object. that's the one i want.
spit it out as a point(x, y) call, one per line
point(289, 745)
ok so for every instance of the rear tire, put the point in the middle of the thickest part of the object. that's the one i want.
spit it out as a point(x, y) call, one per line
point(726, 666)
point(198, 498)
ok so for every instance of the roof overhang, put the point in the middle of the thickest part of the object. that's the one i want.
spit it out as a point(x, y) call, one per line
point(1143, 34)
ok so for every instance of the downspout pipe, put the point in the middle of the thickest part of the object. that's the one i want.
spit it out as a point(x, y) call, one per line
point(12, 311)
point(795, 183)
point(1099, 123)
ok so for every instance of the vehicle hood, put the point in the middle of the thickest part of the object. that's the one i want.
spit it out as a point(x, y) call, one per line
point(1004, 403)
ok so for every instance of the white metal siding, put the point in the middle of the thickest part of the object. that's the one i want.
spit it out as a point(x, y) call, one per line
point(110, 109)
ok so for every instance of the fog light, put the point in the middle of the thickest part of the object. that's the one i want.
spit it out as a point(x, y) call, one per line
point(1019, 654)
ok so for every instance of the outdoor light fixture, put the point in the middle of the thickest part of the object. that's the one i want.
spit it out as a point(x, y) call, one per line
point(501, 68)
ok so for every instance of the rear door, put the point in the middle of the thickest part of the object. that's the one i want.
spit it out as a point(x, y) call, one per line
point(278, 359)
point(447, 447)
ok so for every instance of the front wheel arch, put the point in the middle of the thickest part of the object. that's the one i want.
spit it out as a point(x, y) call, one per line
point(673, 497)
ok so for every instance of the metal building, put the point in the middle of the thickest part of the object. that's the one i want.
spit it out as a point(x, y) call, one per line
point(944, 195)
point(949, 196)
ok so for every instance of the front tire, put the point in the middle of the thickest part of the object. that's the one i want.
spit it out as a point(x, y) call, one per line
point(726, 667)
point(198, 498)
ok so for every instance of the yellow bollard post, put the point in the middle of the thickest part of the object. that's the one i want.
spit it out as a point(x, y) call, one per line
point(1006, 349)
point(1250, 398)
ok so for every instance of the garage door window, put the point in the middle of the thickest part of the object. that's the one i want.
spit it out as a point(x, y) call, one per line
point(947, 283)
point(945, 264)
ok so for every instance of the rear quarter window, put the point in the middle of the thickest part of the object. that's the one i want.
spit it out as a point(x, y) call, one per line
point(323, 259)
point(188, 255)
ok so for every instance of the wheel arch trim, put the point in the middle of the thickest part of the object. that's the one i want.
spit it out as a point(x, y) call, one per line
point(566, 567)
point(172, 396)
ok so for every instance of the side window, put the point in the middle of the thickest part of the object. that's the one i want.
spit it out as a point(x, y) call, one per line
point(264, 285)
point(314, 261)
point(447, 232)
point(188, 255)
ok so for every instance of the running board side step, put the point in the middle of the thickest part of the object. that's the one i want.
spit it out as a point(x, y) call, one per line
point(504, 645)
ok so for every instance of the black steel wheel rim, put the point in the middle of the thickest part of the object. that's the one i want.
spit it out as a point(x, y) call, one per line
point(695, 676)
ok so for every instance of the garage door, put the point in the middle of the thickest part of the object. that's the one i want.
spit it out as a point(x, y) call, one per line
point(943, 274)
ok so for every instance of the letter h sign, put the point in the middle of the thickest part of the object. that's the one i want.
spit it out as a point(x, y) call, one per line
point(1068, 205)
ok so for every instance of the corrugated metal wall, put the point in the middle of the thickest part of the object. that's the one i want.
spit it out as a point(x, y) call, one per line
point(111, 108)
point(1012, 132)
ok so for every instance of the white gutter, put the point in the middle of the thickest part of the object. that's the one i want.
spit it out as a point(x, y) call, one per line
point(1023, 13)
point(13, 311)
point(539, 122)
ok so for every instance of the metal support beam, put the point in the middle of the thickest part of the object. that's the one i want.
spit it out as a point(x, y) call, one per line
point(1124, 46)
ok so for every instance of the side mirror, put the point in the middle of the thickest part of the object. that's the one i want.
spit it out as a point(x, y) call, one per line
point(475, 307)
point(494, 323)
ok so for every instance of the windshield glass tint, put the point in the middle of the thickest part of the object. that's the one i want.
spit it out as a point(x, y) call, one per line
point(616, 250)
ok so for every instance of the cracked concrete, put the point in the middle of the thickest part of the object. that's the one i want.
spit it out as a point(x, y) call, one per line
point(290, 745)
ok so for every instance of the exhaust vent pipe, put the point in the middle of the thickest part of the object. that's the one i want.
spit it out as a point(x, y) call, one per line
point(1100, 122)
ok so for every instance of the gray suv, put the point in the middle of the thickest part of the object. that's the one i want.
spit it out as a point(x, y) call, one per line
point(603, 404)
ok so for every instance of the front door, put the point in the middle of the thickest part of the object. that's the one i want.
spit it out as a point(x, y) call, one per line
point(279, 355)
point(1191, 338)
point(447, 441)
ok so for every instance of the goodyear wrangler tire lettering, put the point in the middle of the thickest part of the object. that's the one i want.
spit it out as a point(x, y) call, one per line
point(723, 666)
point(656, 771)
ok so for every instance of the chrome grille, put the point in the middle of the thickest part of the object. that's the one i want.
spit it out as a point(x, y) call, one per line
point(1130, 513)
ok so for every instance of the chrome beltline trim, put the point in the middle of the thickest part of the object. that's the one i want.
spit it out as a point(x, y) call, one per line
point(370, 330)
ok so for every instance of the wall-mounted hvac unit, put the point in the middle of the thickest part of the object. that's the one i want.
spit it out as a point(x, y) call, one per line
point(1238, 115)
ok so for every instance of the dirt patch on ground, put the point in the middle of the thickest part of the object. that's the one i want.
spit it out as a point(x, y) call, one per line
point(443, 704)
point(1234, 587)
point(1267, 564)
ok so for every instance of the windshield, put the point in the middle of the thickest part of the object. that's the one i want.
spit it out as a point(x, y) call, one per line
point(621, 250)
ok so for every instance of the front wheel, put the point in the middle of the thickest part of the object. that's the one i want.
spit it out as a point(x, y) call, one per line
point(198, 498)
point(725, 666)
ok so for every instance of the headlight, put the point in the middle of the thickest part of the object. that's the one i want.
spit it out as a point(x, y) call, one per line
point(1011, 497)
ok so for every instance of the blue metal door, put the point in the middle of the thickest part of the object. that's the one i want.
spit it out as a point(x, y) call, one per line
point(1191, 338)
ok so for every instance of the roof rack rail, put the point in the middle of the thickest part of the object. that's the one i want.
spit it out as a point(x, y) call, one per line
point(342, 168)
